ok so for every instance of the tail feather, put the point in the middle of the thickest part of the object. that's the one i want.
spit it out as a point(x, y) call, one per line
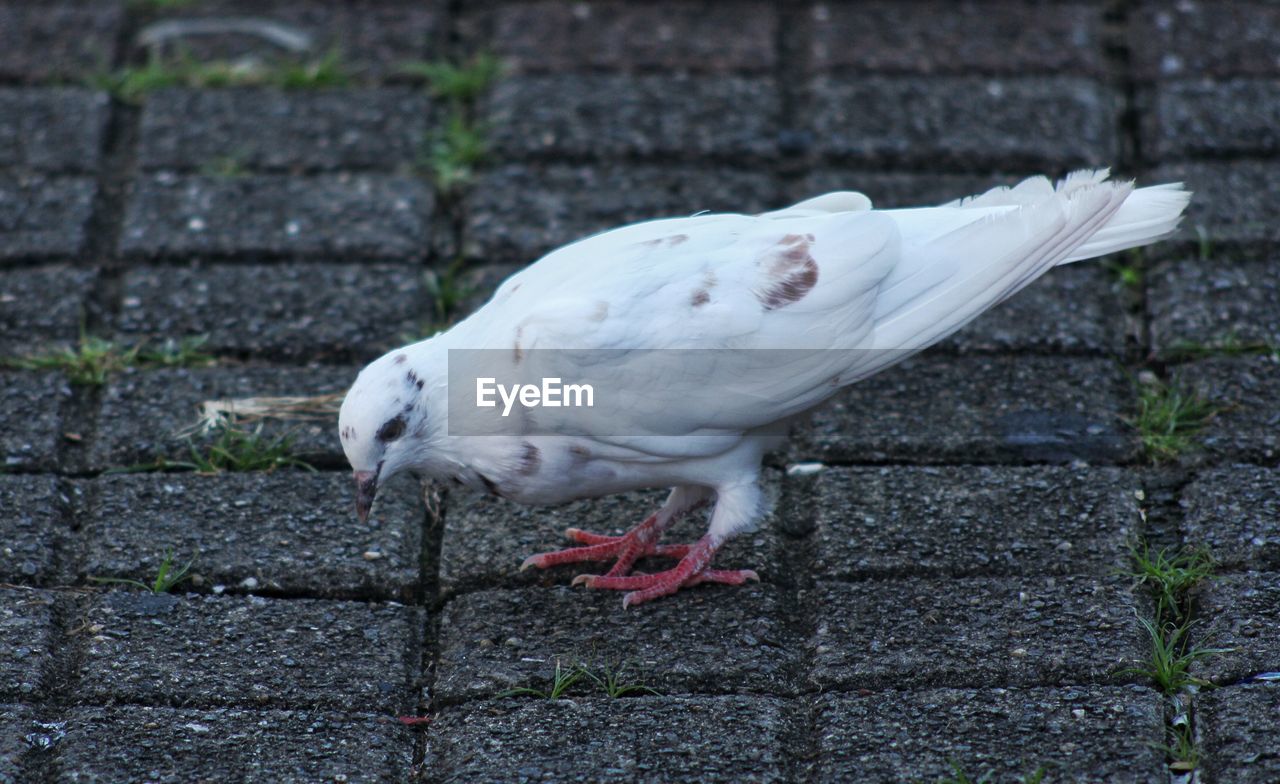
point(1148, 215)
point(972, 254)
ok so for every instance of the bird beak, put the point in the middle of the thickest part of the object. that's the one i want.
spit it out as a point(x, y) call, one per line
point(366, 490)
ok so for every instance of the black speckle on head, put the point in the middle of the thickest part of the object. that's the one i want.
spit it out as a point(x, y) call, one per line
point(530, 459)
point(411, 377)
point(401, 359)
point(348, 433)
point(392, 429)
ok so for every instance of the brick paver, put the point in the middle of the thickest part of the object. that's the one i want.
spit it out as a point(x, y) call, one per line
point(939, 572)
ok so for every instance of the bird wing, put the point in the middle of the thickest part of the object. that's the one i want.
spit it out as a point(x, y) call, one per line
point(711, 325)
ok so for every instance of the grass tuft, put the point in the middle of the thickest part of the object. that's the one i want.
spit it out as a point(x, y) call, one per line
point(1170, 576)
point(447, 291)
point(166, 576)
point(1169, 418)
point(1128, 272)
point(94, 359)
point(561, 680)
point(130, 84)
point(452, 154)
point(232, 450)
point(610, 680)
point(1228, 345)
point(1172, 655)
point(458, 83)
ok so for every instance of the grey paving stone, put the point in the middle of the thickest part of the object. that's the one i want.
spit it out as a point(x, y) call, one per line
point(372, 38)
point(47, 40)
point(283, 531)
point(975, 631)
point(707, 639)
point(33, 524)
point(486, 539)
point(15, 724)
point(556, 35)
point(634, 116)
point(1232, 117)
point(963, 121)
point(1073, 309)
point(1215, 301)
point(977, 409)
point(1232, 209)
point(374, 216)
point(1248, 390)
point(249, 652)
point(1074, 733)
point(42, 307)
point(136, 743)
point(56, 130)
point(142, 412)
point(26, 641)
point(30, 419)
point(42, 217)
point(308, 311)
point(1235, 512)
point(283, 131)
point(948, 37)
point(1177, 40)
point(1240, 612)
point(1238, 731)
point(876, 522)
point(645, 739)
point(519, 212)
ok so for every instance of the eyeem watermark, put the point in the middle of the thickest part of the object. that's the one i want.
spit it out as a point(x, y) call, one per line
point(552, 393)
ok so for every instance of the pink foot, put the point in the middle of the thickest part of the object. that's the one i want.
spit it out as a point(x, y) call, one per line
point(627, 549)
point(691, 570)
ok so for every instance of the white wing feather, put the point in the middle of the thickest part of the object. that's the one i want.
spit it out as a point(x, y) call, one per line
point(884, 284)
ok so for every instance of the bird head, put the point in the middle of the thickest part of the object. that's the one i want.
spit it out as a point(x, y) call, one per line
point(382, 423)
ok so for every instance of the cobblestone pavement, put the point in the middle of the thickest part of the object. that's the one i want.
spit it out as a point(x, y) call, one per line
point(944, 592)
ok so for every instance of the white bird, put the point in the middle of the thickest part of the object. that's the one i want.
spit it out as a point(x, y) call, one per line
point(682, 320)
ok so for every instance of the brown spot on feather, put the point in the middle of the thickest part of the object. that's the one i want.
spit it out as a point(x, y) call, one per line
point(401, 359)
point(518, 353)
point(791, 272)
point(700, 298)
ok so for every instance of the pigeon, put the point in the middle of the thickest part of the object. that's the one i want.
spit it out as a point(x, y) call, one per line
point(755, 320)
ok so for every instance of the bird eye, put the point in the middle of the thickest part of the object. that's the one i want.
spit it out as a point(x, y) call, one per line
point(391, 429)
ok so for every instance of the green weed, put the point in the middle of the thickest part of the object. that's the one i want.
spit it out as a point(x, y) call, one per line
point(1172, 655)
point(1169, 418)
point(457, 83)
point(610, 680)
point(166, 576)
point(452, 154)
point(1170, 576)
point(130, 84)
point(94, 359)
point(232, 450)
point(561, 680)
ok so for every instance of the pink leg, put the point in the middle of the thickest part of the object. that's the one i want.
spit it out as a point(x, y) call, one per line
point(626, 548)
point(691, 570)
